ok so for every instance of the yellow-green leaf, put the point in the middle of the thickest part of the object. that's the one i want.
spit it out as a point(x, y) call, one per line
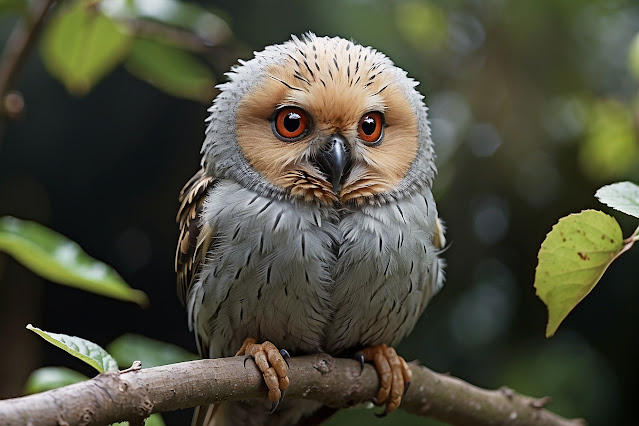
point(172, 70)
point(61, 260)
point(572, 259)
point(80, 45)
point(85, 350)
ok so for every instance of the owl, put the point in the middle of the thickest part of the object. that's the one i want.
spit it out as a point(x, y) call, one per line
point(311, 225)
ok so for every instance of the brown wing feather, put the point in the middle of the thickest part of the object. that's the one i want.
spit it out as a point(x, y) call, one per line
point(189, 250)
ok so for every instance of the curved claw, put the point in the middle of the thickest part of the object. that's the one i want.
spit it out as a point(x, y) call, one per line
point(274, 406)
point(360, 357)
point(286, 357)
point(247, 358)
point(381, 415)
point(283, 394)
point(271, 362)
point(394, 375)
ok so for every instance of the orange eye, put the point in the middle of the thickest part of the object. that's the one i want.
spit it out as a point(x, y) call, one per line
point(371, 127)
point(290, 123)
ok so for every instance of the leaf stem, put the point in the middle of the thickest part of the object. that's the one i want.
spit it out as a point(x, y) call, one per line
point(633, 238)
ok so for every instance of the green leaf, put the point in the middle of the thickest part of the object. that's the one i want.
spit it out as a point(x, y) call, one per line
point(59, 259)
point(152, 420)
point(47, 378)
point(572, 259)
point(171, 70)
point(81, 45)
point(85, 350)
point(131, 347)
point(622, 196)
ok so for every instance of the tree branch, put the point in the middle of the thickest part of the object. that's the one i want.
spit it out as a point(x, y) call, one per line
point(135, 394)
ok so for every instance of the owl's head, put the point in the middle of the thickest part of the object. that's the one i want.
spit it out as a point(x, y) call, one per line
point(321, 119)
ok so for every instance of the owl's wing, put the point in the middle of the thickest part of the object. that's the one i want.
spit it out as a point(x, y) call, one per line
point(195, 238)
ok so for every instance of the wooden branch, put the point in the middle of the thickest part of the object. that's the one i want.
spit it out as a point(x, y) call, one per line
point(136, 393)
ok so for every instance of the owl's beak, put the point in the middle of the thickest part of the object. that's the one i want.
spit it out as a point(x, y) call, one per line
point(334, 160)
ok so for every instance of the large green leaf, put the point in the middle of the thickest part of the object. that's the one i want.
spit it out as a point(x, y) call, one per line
point(622, 196)
point(85, 350)
point(47, 378)
point(59, 259)
point(131, 347)
point(80, 45)
point(572, 259)
point(171, 70)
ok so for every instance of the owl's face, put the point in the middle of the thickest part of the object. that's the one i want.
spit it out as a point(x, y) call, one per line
point(322, 119)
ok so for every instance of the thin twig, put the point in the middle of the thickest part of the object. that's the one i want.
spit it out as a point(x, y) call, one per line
point(17, 49)
point(338, 383)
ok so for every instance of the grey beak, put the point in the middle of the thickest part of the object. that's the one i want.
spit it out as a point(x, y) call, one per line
point(334, 160)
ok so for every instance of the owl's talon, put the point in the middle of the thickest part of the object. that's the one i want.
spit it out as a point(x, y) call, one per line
point(381, 415)
point(246, 358)
point(286, 356)
point(272, 363)
point(394, 375)
point(274, 406)
point(360, 357)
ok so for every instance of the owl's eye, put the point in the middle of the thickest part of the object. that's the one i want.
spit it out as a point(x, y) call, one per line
point(290, 124)
point(371, 128)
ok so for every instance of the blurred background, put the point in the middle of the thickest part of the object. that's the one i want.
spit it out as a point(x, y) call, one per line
point(533, 107)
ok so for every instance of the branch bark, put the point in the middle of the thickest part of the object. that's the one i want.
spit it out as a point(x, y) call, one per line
point(135, 394)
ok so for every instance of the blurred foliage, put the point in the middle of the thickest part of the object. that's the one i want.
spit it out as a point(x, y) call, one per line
point(170, 69)
point(131, 347)
point(533, 106)
point(610, 148)
point(61, 260)
point(47, 378)
point(86, 39)
point(81, 45)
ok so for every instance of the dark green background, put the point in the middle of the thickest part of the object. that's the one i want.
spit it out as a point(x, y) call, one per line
point(525, 100)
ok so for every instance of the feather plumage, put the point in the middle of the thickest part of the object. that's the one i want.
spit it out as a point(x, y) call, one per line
point(270, 249)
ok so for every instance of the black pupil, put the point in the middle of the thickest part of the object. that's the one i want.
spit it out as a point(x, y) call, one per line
point(368, 125)
point(292, 121)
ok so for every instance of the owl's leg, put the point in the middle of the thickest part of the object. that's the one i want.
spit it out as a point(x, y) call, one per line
point(273, 365)
point(394, 375)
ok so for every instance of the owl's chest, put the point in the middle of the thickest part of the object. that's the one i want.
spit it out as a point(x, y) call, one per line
point(283, 272)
